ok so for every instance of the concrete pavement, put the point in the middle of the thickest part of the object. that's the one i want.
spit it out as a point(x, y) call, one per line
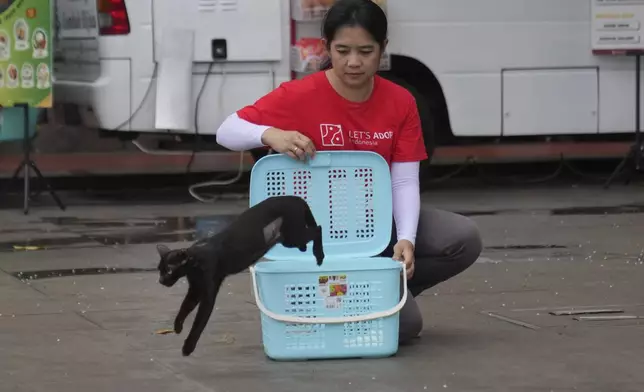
point(487, 330)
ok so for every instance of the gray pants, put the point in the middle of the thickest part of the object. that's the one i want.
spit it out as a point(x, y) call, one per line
point(446, 245)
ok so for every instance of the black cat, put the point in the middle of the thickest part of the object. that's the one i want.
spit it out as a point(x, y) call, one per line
point(282, 219)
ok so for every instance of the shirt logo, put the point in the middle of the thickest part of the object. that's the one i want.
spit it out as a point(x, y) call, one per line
point(331, 135)
point(367, 138)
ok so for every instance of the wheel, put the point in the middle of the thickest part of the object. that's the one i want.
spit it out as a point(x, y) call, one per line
point(427, 121)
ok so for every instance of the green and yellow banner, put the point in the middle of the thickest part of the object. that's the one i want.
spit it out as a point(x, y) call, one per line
point(26, 53)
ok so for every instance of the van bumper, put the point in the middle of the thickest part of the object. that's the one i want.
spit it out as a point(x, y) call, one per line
point(104, 102)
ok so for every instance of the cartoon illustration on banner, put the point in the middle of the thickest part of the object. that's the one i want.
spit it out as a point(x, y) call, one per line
point(25, 53)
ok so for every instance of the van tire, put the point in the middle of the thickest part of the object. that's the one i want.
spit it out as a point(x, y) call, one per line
point(427, 119)
point(258, 153)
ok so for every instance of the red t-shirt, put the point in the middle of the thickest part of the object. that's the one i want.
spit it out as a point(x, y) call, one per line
point(387, 123)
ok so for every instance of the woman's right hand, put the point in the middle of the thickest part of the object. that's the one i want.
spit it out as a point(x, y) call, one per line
point(291, 143)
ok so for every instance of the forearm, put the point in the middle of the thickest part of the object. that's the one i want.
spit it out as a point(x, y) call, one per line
point(406, 199)
point(238, 134)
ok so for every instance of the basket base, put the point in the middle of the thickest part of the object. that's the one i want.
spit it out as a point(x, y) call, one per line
point(348, 291)
point(279, 358)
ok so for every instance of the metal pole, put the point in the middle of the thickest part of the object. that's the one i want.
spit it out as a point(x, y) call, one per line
point(26, 157)
point(638, 136)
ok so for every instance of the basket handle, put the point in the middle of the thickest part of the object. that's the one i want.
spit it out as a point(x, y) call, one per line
point(330, 320)
point(320, 160)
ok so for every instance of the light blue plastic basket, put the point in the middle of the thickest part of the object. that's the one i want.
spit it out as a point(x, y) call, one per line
point(302, 315)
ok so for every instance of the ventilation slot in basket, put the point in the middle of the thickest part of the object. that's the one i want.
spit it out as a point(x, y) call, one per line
point(365, 228)
point(301, 183)
point(301, 302)
point(275, 184)
point(338, 204)
point(358, 302)
point(349, 202)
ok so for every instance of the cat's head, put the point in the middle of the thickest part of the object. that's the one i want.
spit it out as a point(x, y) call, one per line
point(173, 265)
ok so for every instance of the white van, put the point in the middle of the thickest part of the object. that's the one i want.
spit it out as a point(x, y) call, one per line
point(478, 68)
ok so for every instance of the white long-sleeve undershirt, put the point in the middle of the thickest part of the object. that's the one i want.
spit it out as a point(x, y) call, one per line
point(406, 199)
point(238, 134)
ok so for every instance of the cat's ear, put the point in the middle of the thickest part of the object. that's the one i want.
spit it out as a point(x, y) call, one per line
point(163, 250)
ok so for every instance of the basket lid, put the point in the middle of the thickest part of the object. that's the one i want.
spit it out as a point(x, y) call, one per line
point(349, 193)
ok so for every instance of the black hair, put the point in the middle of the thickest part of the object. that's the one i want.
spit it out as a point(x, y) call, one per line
point(348, 13)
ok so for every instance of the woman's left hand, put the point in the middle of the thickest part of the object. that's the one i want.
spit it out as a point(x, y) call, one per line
point(404, 251)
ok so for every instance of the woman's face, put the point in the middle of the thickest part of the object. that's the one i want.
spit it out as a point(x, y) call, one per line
point(355, 56)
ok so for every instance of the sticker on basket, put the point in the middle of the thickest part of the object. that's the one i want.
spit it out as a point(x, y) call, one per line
point(333, 302)
point(338, 289)
point(333, 288)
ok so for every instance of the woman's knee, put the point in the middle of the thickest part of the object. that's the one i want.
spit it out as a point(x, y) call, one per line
point(448, 235)
point(471, 242)
point(460, 242)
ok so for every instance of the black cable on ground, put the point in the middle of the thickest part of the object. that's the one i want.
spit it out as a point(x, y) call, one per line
point(460, 169)
point(493, 179)
point(196, 118)
point(514, 180)
point(580, 173)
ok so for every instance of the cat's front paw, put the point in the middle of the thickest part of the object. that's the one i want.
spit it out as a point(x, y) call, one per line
point(319, 254)
point(178, 327)
point(320, 258)
point(188, 348)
